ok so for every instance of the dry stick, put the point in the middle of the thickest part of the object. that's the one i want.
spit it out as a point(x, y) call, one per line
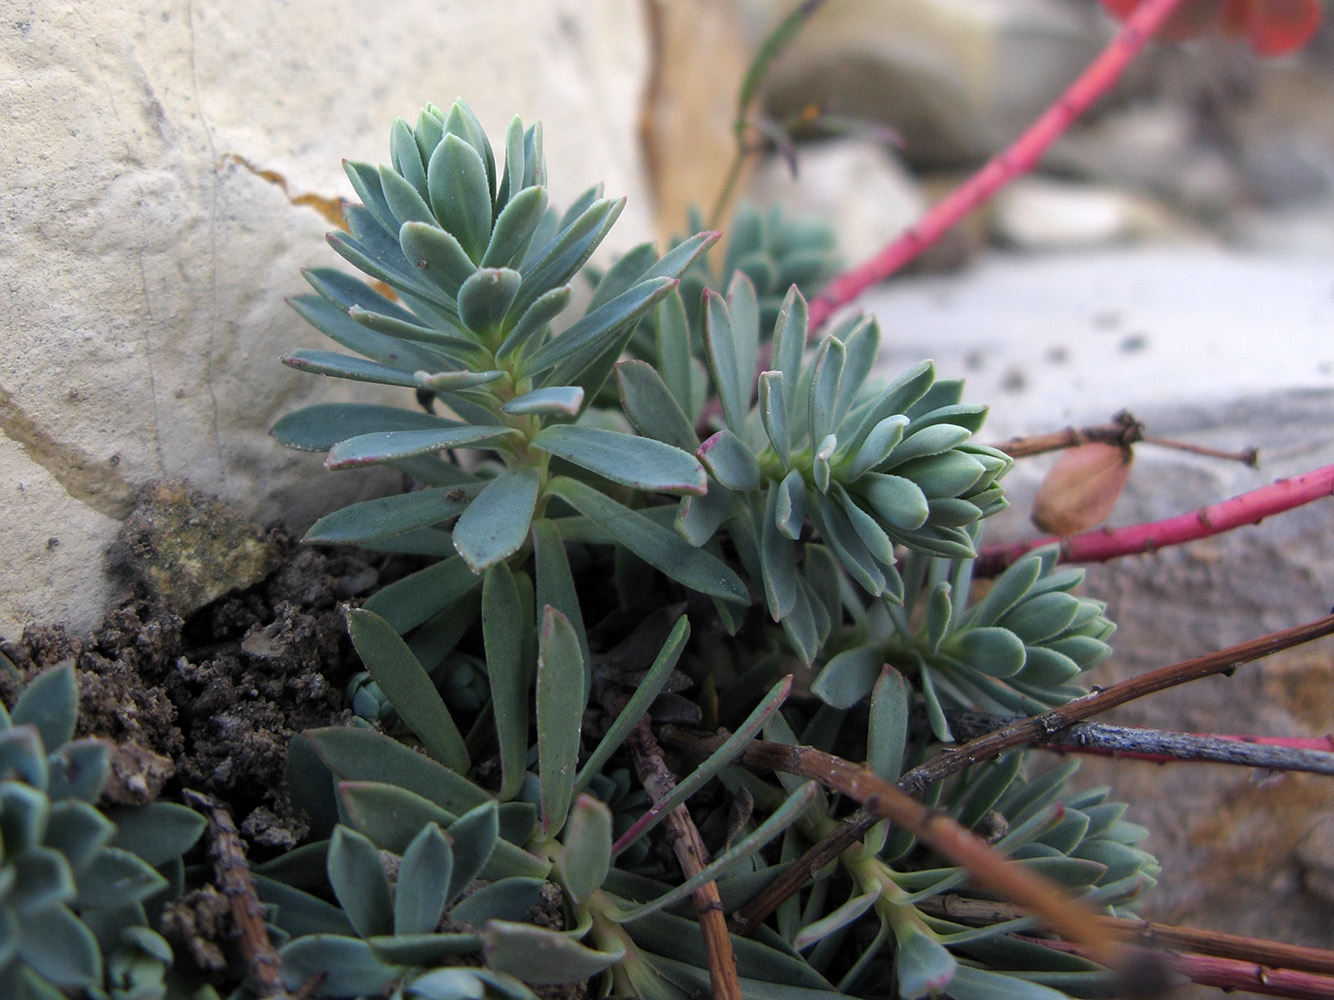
point(1123, 429)
point(1041, 727)
point(692, 856)
point(1111, 543)
point(1019, 158)
point(1232, 974)
point(1274, 954)
point(233, 876)
point(1161, 746)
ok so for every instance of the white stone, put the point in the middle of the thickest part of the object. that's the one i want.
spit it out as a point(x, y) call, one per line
point(1038, 213)
point(146, 266)
point(856, 185)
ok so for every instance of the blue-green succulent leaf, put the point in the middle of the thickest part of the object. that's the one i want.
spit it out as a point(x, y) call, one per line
point(731, 381)
point(50, 701)
point(476, 839)
point(586, 856)
point(651, 407)
point(660, 547)
point(408, 602)
point(638, 462)
point(560, 709)
point(423, 879)
point(408, 687)
point(730, 462)
point(588, 337)
point(898, 502)
point(359, 882)
point(486, 297)
point(60, 948)
point(320, 427)
point(119, 876)
point(403, 198)
point(514, 229)
point(496, 523)
point(996, 652)
point(385, 517)
point(698, 518)
point(389, 446)
point(645, 692)
point(553, 264)
point(347, 965)
point(345, 366)
point(887, 732)
point(849, 676)
point(555, 400)
point(157, 832)
point(501, 612)
point(824, 388)
point(534, 320)
point(356, 754)
point(456, 180)
point(539, 956)
point(790, 506)
point(436, 255)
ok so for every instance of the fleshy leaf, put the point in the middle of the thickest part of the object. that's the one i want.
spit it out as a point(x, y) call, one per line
point(538, 955)
point(638, 462)
point(656, 545)
point(359, 882)
point(496, 523)
point(423, 879)
point(560, 709)
point(586, 857)
point(501, 613)
point(408, 687)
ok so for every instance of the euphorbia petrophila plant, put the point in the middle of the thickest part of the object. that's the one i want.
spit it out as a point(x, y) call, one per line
point(846, 512)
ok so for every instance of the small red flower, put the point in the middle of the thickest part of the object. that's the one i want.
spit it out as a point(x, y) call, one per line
point(1270, 27)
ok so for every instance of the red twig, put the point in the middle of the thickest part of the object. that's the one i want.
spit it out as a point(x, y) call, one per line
point(1111, 543)
point(1235, 974)
point(1019, 158)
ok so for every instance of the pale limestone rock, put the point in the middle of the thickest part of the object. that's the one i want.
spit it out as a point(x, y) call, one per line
point(1038, 213)
point(957, 79)
point(146, 263)
point(857, 186)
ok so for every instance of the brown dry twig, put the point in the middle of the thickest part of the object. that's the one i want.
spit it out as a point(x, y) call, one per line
point(233, 877)
point(692, 855)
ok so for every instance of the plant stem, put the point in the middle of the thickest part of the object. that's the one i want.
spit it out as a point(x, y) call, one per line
point(1110, 543)
point(1041, 727)
point(1275, 954)
point(1159, 746)
point(692, 855)
point(1123, 429)
point(1232, 974)
point(1019, 158)
point(233, 874)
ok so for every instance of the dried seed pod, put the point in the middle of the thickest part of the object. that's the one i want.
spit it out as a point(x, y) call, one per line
point(1081, 489)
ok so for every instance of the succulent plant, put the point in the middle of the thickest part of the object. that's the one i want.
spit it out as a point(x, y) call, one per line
point(77, 884)
point(1018, 649)
point(580, 478)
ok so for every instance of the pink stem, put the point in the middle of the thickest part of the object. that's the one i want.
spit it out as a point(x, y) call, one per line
point(1111, 543)
point(1232, 973)
point(1019, 158)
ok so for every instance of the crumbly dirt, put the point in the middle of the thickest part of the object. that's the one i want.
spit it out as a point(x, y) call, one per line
point(210, 701)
